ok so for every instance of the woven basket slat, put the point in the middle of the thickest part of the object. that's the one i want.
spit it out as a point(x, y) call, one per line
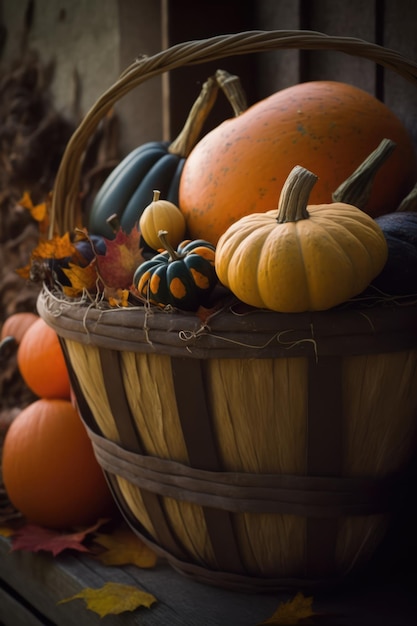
point(257, 450)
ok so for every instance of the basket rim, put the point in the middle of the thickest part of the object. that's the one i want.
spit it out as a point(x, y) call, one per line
point(235, 330)
point(65, 196)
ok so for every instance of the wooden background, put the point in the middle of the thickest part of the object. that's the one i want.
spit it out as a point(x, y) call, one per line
point(98, 39)
point(390, 23)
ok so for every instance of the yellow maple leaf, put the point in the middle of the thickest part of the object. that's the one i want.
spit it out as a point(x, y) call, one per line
point(124, 547)
point(82, 278)
point(113, 598)
point(292, 612)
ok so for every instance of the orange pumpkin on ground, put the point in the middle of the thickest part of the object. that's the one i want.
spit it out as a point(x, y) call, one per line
point(49, 469)
point(327, 127)
point(41, 362)
point(17, 324)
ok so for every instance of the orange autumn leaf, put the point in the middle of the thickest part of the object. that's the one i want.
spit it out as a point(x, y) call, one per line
point(113, 598)
point(291, 613)
point(39, 212)
point(59, 247)
point(123, 547)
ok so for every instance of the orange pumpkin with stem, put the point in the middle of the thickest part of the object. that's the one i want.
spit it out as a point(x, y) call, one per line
point(41, 362)
point(327, 127)
point(49, 469)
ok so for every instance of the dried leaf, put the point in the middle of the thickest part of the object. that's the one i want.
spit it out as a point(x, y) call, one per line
point(33, 538)
point(123, 255)
point(124, 547)
point(292, 612)
point(81, 278)
point(113, 598)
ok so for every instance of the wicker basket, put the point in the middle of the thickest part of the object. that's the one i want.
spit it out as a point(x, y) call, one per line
point(254, 450)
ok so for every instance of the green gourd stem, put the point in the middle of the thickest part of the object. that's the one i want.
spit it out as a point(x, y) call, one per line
point(233, 90)
point(114, 222)
point(356, 189)
point(409, 203)
point(173, 255)
point(194, 123)
point(295, 194)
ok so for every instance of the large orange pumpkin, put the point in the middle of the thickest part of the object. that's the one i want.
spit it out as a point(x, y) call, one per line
point(41, 362)
point(326, 127)
point(49, 469)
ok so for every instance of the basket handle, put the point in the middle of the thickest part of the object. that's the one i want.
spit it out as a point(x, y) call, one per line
point(65, 197)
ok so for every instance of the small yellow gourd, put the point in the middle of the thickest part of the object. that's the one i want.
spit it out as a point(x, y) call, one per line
point(161, 215)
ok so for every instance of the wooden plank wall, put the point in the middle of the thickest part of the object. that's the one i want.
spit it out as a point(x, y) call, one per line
point(387, 22)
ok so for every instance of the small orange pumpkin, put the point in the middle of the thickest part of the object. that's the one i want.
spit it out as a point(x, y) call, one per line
point(17, 324)
point(327, 127)
point(41, 362)
point(49, 469)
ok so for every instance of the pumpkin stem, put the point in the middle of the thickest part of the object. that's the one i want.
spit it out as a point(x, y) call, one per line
point(409, 203)
point(232, 88)
point(197, 116)
point(293, 201)
point(156, 195)
point(173, 255)
point(356, 189)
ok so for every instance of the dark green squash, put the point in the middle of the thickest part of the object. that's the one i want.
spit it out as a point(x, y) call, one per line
point(183, 278)
point(156, 164)
point(399, 275)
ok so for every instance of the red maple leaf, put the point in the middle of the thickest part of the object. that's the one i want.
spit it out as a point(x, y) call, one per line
point(33, 538)
point(123, 255)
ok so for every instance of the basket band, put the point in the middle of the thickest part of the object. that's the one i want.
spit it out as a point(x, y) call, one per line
point(237, 492)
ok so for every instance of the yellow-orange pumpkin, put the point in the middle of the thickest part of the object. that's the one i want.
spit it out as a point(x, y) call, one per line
point(301, 257)
point(327, 127)
point(49, 469)
point(41, 362)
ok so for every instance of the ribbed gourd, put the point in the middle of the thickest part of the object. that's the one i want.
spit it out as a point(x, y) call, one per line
point(301, 257)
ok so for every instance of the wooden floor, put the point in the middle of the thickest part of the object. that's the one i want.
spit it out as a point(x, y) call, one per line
point(385, 594)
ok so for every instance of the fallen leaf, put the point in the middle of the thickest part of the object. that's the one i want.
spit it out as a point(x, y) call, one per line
point(292, 612)
point(113, 598)
point(33, 538)
point(124, 547)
